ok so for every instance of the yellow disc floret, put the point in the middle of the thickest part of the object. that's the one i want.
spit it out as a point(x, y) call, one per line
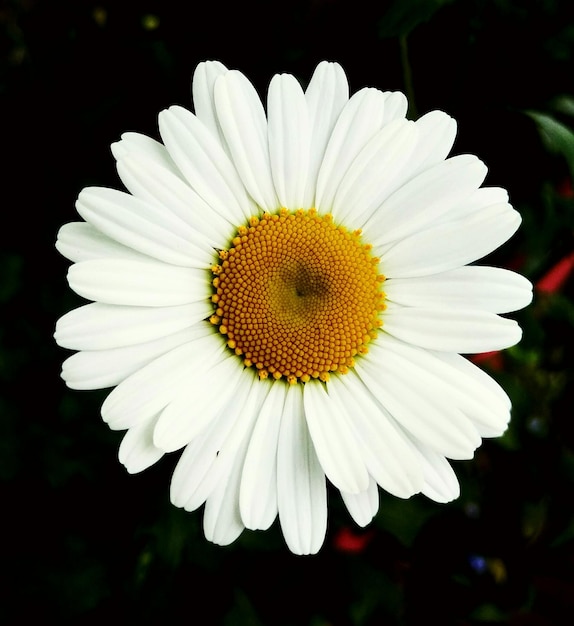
point(297, 296)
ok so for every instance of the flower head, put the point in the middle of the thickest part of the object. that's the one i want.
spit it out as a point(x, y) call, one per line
point(285, 294)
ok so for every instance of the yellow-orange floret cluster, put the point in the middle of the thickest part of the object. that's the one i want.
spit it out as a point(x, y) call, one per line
point(297, 296)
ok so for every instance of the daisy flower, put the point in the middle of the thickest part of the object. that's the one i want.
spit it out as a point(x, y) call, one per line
point(284, 293)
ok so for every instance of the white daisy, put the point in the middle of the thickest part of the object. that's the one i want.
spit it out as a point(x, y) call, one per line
point(285, 296)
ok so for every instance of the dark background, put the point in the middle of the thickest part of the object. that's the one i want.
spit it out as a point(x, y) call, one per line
point(83, 542)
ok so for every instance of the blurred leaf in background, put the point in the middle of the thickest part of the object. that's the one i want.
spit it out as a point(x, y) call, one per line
point(557, 137)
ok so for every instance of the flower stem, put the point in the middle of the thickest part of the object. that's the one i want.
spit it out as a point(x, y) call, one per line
point(408, 77)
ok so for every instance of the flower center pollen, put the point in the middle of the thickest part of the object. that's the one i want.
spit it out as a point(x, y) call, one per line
point(297, 296)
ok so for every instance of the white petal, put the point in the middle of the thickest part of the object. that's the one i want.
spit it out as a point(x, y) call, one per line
point(204, 77)
point(334, 440)
point(79, 241)
point(145, 227)
point(222, 522)
point(417, 408)
point(210, 455)
point(327, 93)
point(147, 147)
point(371, 177)
point(205, 164)
point(137, 451)
point(289, 139)
point(441, 483)
point(146, 179)
point(242, 120)
point(301, 488)
point(388, 453)
point(194, 468)
point(258, 495)
point(198, 402)
point(138, 283)
point(100, 326)
point(424, 199)
point(487, 411)
point(450, 330)
point(106, 368)
point(150, 389)
point(363, 506)
point(195, 462)
point(396, 106)
point(360, 119)
point(450, 244)
point(470, 287)
point(483, 198)
point(437, 132)
point(493, 420)
point(479, 376)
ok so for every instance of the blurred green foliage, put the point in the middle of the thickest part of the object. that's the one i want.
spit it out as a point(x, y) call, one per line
point(83, 542)
point(557, 137)
point(401, 18)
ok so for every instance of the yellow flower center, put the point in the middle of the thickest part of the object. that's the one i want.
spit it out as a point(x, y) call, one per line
point(297, 296)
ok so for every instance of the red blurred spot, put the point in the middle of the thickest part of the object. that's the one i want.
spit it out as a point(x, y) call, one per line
point(565, 189)
point(348, 541)
point(555, 278)
point(493, 360)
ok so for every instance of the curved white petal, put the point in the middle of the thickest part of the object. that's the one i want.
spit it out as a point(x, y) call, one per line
point(195, 463)
point(334, 440)
point(451, 330)
point(487, 410)
point(152, 388)
point(441, 483)
point(107, 368)
point(137, 451)
point(204, 77)
point(244, 126)
point(450, 244)
point(208, 458)
point(145, 227)
point(205, 164)
point(479, 376)
point(198, 402)
point(388, 453)
point(424, 199)
point(396, 106)
point(362, 116)
point(99, 326)
point(326, 94)
point(79, 241)
point(436, 135)
point(301, 488)
point(147, 179)
point(222, 522)
point(371, 177)
point(363, 506)
point(484, 389)
point(420, 410)
point(483, 198)
point(136, 143)
point(194, 468)
point(289, 139)
point(258, 494)
point(138, 283)
point(470, 287)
